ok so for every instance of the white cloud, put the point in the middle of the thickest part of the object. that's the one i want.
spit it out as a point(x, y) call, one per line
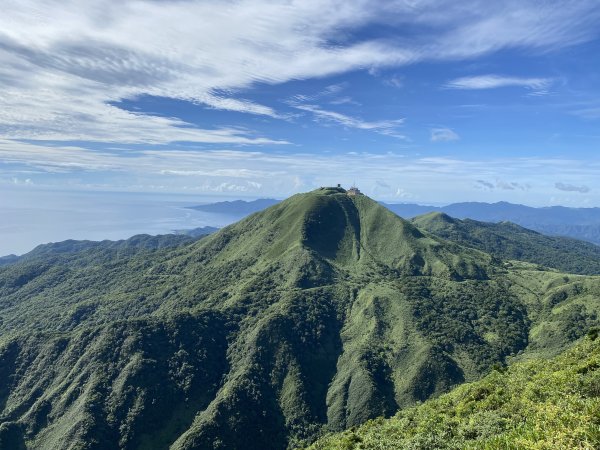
point(331, 90)
point(404, 195)
point(386, 127)
point(232, 104)
point(20, 182)
point(491, 26)
point(344, 101)
point(443, 135)
point(64, 65)
point(498, 81)
point(395, 81)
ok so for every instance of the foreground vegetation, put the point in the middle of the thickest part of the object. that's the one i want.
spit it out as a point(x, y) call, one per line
point(535, 404)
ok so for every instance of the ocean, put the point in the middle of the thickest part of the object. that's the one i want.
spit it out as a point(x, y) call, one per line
point(29, 217)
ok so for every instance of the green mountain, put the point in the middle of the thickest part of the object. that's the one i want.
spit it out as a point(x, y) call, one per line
point(109, 249)
point(510, 241)
point(316, 314)
point(537, 404)
point(577, 223)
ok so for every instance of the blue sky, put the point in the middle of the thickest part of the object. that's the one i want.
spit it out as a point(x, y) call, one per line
point(415, 101)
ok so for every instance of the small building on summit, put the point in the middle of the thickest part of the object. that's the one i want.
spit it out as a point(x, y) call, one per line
point(354, 191)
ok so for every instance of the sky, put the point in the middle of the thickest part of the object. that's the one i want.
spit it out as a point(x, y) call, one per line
point(425, 101)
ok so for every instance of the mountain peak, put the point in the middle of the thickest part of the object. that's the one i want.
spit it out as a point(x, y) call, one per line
point(434, 216)
point(343, 233)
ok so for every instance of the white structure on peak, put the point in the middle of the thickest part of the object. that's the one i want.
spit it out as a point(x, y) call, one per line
point(354, 191)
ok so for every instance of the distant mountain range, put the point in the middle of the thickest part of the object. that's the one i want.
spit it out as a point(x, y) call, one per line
point(578, 223)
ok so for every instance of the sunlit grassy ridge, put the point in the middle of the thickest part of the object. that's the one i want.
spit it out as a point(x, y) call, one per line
point(537, 404)
point(510, 241)
point(316, 314)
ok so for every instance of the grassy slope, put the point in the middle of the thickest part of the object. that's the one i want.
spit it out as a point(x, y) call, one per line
point(319, 313)
point(537, 404)
point(509, 241)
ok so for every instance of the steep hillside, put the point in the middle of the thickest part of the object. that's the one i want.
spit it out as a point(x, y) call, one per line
point(318, 313)
point(121, 248)
point(541, 404)
point(510, 241)
point(577, 223)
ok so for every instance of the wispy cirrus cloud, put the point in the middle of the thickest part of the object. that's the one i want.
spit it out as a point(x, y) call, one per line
point(385, 127)
point(327, 92)
point(346, 100)
point(394, 81)
point(487, 27)
point(443, 135)
point(65, 65)
point(499, 81)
